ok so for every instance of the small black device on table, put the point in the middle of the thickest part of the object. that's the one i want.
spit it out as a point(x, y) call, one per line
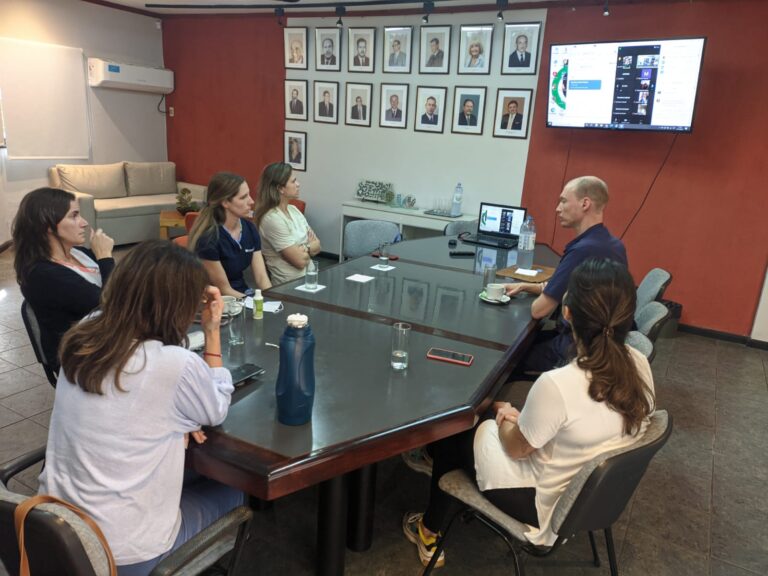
point(245, 372)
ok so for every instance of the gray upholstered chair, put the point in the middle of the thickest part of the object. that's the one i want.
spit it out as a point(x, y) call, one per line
point(59, 542)
point(33, 331)
point(593, 500)
point(640, 342)
point(459, 226)
point(364, 236)
point(651, 318)
point(652, 287)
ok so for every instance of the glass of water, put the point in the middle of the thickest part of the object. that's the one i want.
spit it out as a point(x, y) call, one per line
point(234, 311)
point(310, 275)
point(401, 332)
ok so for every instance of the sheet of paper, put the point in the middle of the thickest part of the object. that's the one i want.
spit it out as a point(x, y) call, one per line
point(303, 288)
point(271, 306)
point(382, 267)
point(360, 278)
point(527, 272)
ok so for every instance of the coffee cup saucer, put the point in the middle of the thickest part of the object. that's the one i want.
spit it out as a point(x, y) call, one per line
point(504, 299)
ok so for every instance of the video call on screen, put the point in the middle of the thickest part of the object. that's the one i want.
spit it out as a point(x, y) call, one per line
point(501, 220)
point(636, 70)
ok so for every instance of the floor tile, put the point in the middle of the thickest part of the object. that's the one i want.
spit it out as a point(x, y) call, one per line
point(739, 537)
point(32, 401)
point(645, 554)
point(13, 339)
point(43, 418)
point(22, 356)
point(8, 417)
point(20, 438)
point(18, 380)
point(720, 568)
point(6, 366)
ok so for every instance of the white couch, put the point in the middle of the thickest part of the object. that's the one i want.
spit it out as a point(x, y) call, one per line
point(124, 199)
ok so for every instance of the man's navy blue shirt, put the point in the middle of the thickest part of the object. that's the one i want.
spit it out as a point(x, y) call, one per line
point(234, 256)
point(595, 242)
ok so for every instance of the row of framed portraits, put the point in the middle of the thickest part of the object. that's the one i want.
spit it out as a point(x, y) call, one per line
point(429, 113)
point(519, 54)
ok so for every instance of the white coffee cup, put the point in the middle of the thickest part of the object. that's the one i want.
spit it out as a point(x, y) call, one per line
point(494, 291)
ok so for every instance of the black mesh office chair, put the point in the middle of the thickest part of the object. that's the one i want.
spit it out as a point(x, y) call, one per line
point(58, 542)
point(33, 331)
point(593, 500)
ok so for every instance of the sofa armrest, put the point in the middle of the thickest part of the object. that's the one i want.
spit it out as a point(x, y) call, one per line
point(198, 191)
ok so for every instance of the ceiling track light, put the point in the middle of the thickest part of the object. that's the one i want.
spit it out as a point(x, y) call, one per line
point(280, 12)
point(501, 5)
point(340, 11)
point(428, 9)
point(606, 11)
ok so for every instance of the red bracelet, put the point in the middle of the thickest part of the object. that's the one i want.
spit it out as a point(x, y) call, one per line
point(212, 354)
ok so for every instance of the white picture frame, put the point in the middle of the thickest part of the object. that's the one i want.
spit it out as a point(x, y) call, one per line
point(423, 121)
point(513, 113)
point(326, 109)
point(434, 49)
point(393, 95)
point(296, 101)
point(397, 52)
point(524, 36)
point(361, 49)
point(295, 48)
point(475, 49)
point(328, 38)
point(295, 150)
point(462, 121)
point(358, 113)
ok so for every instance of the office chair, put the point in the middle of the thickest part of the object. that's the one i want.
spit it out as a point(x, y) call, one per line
point(651, 319)
point(593, 500)
point(652, 287)
point(59, 542)
point(459, 226)
point(640, 342)
point(189, 220)
point(33, 331)
point(364, 236)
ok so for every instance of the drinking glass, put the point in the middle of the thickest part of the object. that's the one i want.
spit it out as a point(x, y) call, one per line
point(384, 253)
point(234, 312)
point(310, 275)
point(401, 332)
point(489, 275)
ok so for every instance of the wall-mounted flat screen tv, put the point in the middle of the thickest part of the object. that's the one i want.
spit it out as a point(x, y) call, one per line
point(635, 85)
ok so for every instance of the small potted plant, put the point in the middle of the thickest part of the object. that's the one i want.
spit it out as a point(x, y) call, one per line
point(184, 202)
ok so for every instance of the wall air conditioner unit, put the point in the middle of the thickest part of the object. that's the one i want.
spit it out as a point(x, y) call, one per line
point(106, 74)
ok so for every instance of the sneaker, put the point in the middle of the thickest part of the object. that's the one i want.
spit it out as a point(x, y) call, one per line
point(419, 460)
point(425, 544)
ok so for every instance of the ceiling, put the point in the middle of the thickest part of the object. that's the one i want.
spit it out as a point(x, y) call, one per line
point(257, 6)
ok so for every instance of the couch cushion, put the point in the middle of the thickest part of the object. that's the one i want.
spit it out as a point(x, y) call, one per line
point(149, 178)
point(98, 180)
point(134, 205)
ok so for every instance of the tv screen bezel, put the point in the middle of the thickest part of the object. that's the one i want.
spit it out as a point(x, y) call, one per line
point(618, 128)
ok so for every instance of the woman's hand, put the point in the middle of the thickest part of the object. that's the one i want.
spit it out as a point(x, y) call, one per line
point(101, 244)
point(198, 436)
point(506, 412)
point(210, 319)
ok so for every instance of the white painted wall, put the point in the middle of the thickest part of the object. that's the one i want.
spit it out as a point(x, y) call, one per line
point(760, 327)
point(423, 164)
point(124, 125)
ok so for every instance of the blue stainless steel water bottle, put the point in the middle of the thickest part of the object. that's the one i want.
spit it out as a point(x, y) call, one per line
point(295, 388)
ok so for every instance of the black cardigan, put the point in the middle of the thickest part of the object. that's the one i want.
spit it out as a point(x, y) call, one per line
point(60, 297)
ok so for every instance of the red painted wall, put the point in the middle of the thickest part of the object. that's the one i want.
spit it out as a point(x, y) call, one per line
point(705, 217)
point(229, 95)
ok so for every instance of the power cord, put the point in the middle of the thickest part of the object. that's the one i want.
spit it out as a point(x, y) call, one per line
point(160, 103)
point(650, 187)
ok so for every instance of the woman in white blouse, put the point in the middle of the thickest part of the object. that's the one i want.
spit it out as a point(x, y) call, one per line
point(128, 397)
point(602, 400)
point(288, 242)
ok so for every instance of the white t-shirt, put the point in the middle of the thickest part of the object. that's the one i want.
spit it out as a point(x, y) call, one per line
point(566, 427)
point(278, 232)
point(120, 456)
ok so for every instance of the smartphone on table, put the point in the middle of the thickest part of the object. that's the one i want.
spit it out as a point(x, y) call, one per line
point(450, 356)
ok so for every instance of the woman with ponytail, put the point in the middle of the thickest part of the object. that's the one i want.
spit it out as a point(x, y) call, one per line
point(523, 460)
point(226, 240)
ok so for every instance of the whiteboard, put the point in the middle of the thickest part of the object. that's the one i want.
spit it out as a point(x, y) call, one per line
point(45, 105)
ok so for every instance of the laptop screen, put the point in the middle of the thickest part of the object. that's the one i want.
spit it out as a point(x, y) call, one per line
point(500, 221)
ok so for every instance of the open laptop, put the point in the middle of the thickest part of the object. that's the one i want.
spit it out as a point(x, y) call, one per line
point(497, 226)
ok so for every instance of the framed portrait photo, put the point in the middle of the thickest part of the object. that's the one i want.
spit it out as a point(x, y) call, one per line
point(362, 49)
point(327, 102)
point(468, 110)
point(475, 42)
point(296, 150)
point(394, 106)
point(513, 112)
point(358, 103)
point(521, 48)
point(296, 102)
point(434, 49)
point(396, 54)
point(295, 48)
point(328, 49)
point(431, 106)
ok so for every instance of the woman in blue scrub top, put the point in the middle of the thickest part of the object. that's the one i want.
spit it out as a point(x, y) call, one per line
point(226, 240)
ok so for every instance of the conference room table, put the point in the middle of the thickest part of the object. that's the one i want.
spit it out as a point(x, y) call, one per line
point(364, 411)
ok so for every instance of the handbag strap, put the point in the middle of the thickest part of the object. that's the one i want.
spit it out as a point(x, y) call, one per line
point(20, 515)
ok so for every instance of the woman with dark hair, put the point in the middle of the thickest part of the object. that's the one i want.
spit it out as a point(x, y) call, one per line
point(128, 395)
point(59, 278)
point(602, 400)
point(226, 240)
point(289, 242)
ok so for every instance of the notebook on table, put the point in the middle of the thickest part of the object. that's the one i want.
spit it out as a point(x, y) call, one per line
point(497, 226)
